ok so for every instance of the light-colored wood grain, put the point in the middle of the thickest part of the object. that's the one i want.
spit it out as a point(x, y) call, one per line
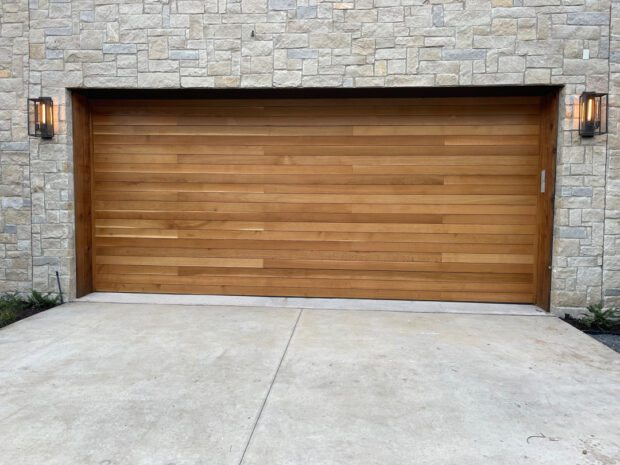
point(392, 198)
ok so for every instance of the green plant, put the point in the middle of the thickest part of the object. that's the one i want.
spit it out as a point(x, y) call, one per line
point(602, 318)
point(7, 316)
point(12, 301)
point(42, 301)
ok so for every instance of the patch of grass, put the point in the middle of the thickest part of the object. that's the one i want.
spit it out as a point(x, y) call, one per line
point(601, 318)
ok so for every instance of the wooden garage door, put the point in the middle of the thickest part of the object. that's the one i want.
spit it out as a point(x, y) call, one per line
point(370, 198)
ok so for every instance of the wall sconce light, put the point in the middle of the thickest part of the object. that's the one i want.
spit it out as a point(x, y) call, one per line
point(592, 114)
point(41, 117)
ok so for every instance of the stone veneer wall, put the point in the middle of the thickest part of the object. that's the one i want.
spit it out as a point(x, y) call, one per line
point(611, 256)
point(15, 212)
point(47, 46)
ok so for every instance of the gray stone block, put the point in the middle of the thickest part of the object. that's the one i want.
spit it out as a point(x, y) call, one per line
point(588, 18)
point(58, 31)
point(15, 146)
point(183, 54)
point(165, 14)
point(119, 48)
point(569, 232)
point(463, 54)
point(54, 54)
point(438, 15)
point(282, 4)
point(12, 202)
point(41, 261)
point(582, 191)
point(87, 16)
point(306, 12)
point(302, 53)
point(603, 47)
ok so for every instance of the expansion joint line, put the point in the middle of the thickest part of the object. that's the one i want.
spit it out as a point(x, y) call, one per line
point(273, 380)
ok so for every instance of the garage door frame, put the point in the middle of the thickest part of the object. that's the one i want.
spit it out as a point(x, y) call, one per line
point(83, 163)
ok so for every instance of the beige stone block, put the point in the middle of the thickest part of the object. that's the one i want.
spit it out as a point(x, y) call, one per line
point(527, 29)
point(330, 40)
point(361, 16)
point(256, 80)
point(511, 64)
point(430, 54)
point(37, 51)
point(380, 68)
point(538, 76)
point(359, 70)
point(481, 30)
point(364, 46)
point(504, 27)
point(159, 80)
point(261, 65)
point(446, 80)
point(254, 6)
point(196, 27)
point(227, 81)
point(112, 32)
point(158, 48)
point(219, 69)
point(287, 78)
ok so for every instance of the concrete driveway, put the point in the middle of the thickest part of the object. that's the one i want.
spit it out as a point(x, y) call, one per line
point(130, 384)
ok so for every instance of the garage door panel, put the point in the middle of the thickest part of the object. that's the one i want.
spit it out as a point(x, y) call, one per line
point(312, 160)
point(318, 274)
point(313, 141)
point(320, 107)
point(100, 120)
point(320, 150)
point(332, 283)
point(314, 292)
point(243, 169)
point(528, 186)
point(304, 240)
point(335, 130)
point(398, 198)
point(272, 178)
point(127, 105)
point(326, 244)
point(324, 202)
point(397, 231)
point(285, 262)
point(377, 219)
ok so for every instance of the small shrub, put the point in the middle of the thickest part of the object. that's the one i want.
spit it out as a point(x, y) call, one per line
point(14, 307)
point(41, 301)
point(7, 316)
point(601, 318)
point(12, 301)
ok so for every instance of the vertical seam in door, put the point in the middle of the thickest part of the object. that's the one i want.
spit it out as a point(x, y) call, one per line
point(273, 380)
